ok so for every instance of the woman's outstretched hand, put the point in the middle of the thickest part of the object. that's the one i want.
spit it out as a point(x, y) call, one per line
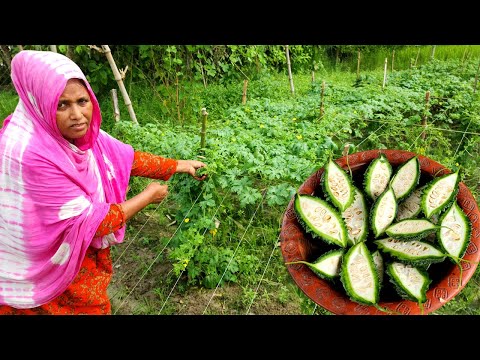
point(191, 167)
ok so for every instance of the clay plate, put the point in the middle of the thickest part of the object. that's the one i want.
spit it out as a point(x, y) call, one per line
point(296, 245)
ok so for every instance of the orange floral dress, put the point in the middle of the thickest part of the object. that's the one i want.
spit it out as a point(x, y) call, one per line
point(87, 294)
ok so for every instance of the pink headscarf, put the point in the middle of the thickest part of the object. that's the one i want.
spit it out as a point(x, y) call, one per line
point(53, 194)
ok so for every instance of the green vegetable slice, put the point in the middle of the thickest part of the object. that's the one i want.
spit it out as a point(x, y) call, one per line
point(320, 219)
point(406, 178)
point(440, 193)
point(454, 232)
point(410, 282)
point(327, 266)
point(377, 176)
point(356, 218)
point(338, 185)
point(383, 212)
point(379, 265)
point(359, 275)
point(414, 252)
point(410, 207)
point(411, 229)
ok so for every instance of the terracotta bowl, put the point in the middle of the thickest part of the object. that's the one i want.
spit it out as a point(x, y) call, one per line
point(296, 245)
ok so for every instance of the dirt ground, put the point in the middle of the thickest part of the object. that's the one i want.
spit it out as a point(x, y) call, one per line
point(138, 287)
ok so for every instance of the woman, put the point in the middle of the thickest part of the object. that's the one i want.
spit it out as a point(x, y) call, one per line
point(63, 184)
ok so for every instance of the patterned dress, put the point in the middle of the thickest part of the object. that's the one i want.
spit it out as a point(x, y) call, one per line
point(87, 294)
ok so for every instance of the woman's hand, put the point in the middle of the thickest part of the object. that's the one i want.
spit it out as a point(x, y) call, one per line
point(153, 193)
point(191, 167)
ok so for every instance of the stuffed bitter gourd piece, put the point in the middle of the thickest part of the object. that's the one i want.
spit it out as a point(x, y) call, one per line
point(413, 252)
point(359, 275)
point(326, 266)
point(454, 231)
point(440, 193)
point(411, 229)
point(383, 212)
point(410, 282)
point(406, 178)
point(410, 207)
point(379, 265)
point(377, 176)
point(338, 186)
point(356, 218)
point(320, 219)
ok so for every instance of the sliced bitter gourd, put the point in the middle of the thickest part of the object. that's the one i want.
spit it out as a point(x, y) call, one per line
point(411, 229)
point(327, 266)
point(410, 207)
point(410, 282)
point(383, 212)
point(406, 178)
point(379, 265)
point(377, 176)
point(338, 185)
point(359, 275)
point(414, 252)
point(356, 219)
point(455, 230)
point(320, 219)
point(440, 193)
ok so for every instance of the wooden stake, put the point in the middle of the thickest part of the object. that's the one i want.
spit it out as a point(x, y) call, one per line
point(322, 95)
point(393, 57)
point(424, 117)
point(6, 55)
point(384, 74)
point(53, 48)
point(204, 128)
point(290, 77)
point(358, 65)
point(118, 78)
point(116, 109)
point(244, 93)
point(177, 100)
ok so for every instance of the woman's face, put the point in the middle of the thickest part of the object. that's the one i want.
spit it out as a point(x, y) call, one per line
point(74, 111)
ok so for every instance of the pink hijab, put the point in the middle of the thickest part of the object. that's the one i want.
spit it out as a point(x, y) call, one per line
point(53, 194)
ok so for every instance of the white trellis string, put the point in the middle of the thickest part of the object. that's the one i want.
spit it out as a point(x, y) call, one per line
point(158, 255)
point(314, 309)
point(365, 139)
point(181, 273)
point(463, 137)
point(261, 279)
point(238, 245)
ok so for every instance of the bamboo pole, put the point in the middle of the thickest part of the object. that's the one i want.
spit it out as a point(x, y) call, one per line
point(177, 100)
point(432, 55)
point(313, 76)
point(416, 59)
point(204, 128)
point(384, 74)
point(322, 104)
point(244, 92)
point(358, 64)
point(118, 78)
point(290, 77)
point(53, 48)
point(393, 57)
point(116, 109)
point(424, 117)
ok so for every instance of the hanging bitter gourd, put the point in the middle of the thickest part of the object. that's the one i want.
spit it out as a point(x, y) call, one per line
point(356, 218)
point(338, 186)
point(377, 176)
point(326, 266)
point(320, 219)
point(406, 178)
point(440, 193)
